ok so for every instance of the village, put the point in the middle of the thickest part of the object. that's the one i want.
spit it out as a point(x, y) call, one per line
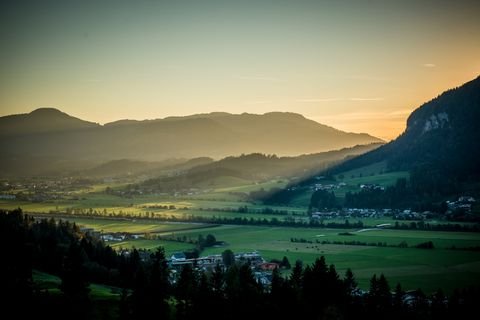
point(453, 208)
point(261, 269)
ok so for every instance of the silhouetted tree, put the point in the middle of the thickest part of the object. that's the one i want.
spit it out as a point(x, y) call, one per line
point(228, 258)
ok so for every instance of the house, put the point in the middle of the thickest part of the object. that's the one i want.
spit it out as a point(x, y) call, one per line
point(466, 199)
point(323, 215)
point(268, 266)
point(178, 256)
point(113, 237)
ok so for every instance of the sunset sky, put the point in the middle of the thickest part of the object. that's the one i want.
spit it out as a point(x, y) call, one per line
point(359, 66)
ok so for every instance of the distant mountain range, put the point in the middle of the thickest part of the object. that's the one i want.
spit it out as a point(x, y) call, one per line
point(48, 139)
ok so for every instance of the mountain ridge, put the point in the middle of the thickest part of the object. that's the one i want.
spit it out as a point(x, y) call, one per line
point(51, 133)
point(444, 128)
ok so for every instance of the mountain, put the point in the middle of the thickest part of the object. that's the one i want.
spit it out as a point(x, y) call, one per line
point(41, 120)
point(435, 159)
point(251, 168)
point(48, 135)
point(442, 135)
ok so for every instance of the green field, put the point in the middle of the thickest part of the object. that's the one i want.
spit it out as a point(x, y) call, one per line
point(169, 246)
point(133, 226)
point(427, 269)
point(225, 194)
point(151, 228)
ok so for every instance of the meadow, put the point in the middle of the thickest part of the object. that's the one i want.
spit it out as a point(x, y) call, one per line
point(414, 268)
point(427, 269)
point(133, 226)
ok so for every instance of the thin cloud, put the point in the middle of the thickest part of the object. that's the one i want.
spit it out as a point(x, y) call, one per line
point(365, 77)
point(429, 65)
point(400, 112)
point(366, 116)
point(366, 99)
point(361, 77)
point(320, 100)
point(340, 99)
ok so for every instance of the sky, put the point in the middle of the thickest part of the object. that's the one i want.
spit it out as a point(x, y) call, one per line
point(359, 66)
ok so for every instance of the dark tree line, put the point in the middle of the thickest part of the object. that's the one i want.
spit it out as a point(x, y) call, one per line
point(425, 190)
point(147, 290)
point(292, 222)
point(322, 199)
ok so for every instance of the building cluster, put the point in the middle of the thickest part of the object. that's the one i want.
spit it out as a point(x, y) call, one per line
point(372, 187)
point(35, 190)
point(111, 236)
point(411, 215)
point(262, 270)
point(360, 213)
point(328, 187)
point(464, 203)
point(348, 213)
point(179, 259)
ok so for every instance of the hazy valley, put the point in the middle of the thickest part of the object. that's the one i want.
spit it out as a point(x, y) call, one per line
point(376, 203)
point(188, 160)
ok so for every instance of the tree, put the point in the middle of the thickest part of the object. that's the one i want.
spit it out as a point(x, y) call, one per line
point(350, 282)
point(124, 309)
point(186, 284)
point(296, 278)
point(277, 284)
point(228, 258)
point(217, 280)
point(285, 263)
point(158, 286)
point(439, 304)
point(420, 304)
point(201, 241)
point(16, 266)
point(73, 283)
point(322, 199)
point(379, 297)
point(398, 297)
point(316, 277)
point(210, 240)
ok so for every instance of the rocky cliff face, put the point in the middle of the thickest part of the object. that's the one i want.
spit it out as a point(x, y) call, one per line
point(442, 134)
